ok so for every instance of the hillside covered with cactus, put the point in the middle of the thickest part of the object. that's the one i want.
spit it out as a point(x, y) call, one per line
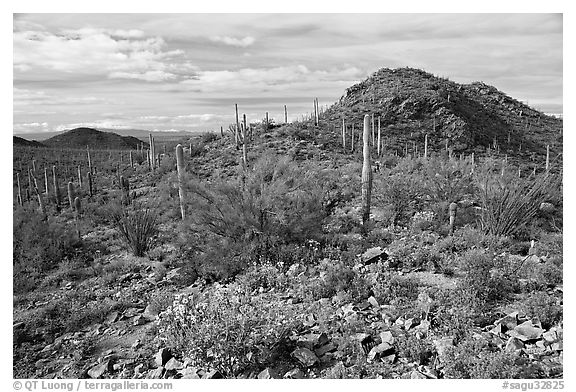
point(301, 249)
point(465, 117)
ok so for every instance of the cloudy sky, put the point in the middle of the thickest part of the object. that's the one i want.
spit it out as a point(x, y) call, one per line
point(186, 71)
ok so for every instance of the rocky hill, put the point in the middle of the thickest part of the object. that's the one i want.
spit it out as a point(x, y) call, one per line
point(469, 117)
point(82, 137)
point(21, 142)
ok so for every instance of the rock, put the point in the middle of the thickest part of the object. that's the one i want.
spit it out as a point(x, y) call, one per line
point(98, 370)
point(137, 343)
point(139, 320)
point(267, 374)
point(173, 364)
point(363, 305)
point(547, 207)
point(308, 340)
point(514, 345)
point(442, 345)
point(213, 374)
point(140, 368)
point(305, 356)
point(162, 356)
point(150, 313)
point(528, 331)
point(415, 374)
point(550, 336)
point(322, 339)
point(189, 373)
point(383, 349)
point(156, 373)
point(411, 322)
point(294, 374)
point(111, 317)
point(374, 255)
point(421, 329)
point(509, 321)
point(330, 347)
point(387, 337)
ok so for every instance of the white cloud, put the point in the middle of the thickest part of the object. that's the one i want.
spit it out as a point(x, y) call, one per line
point(114, 53)
point(232, 41)
point(276, 78)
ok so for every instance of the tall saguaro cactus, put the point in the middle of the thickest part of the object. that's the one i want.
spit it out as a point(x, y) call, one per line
point(71, 194)
point(237, 130)
point(56, 187)
point(452, 211)
point(89, 160)
point(46, 180)
point(19, 197)
point(181, 169)
point(547, 158)
point(285, 115)
point(379, 137)
point(90, 189)
point(366, 172)
point(426, 146)
point(343, 134)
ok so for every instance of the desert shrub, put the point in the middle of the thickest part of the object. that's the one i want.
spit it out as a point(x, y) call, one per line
point(509, 204)
point(402, 192)
point(262, 278)
point(38, 245)
point(396, 290)
point(544, 306)
point(471, 359)
point(230, 331)
point(136, 225)
point(208, 137)
point(453, 312)
point(160, 301)
point(414, 349)
point(279, 202)
point(483, 279)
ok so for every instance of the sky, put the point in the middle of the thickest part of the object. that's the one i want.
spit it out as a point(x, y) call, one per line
point(185, 72)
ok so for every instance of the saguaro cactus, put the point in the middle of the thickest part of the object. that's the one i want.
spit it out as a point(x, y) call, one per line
point(426, 146)
point(352, 139)
point(244, 154)
point(78, 208)
point(132, 160)
point(452, 211)
point(285, 115)
point(547, 158)
point(90, 183)
point(181, 169)
point(46, 179)
point(79, 177)
point(237, 130)
point(71, 194)
point(343, 134)
point(56, 187)
point(366, 172)
point(89, 160)
point(379, 137)
point(19, 196)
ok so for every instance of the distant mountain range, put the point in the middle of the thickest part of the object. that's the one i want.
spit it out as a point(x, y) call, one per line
point(137, 133)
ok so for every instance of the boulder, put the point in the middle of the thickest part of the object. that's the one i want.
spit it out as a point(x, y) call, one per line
point(528, 331)
point(162, 356)
point(374, 255)
point(99, 370)
point(306, 357)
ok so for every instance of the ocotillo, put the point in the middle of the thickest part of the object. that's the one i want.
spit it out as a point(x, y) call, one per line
point(180, 165)
point(452, 211)
point(71, 194)
point(366, 172)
